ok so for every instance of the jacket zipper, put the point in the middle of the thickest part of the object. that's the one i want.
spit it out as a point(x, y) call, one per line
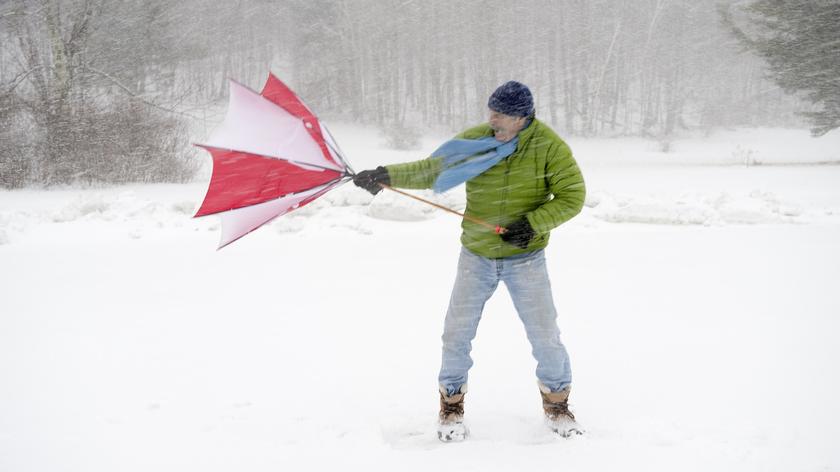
point(504, 198)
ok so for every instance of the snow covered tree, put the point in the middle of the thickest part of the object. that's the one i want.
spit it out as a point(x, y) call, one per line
point(800, 40)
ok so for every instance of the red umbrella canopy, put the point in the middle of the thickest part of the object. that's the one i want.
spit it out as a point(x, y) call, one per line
point(271, 155)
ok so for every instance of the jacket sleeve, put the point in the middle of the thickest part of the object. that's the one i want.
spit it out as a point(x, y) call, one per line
point(567, 188)
point(418, 174)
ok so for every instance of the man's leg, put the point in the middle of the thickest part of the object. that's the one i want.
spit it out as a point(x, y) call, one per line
point(476, 280)
point(527, 280)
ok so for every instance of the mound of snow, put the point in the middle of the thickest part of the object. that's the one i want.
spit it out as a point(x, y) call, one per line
point(15, 222)
point(724, 208)
point(84, 205)
point(392, 206)
point(653, 211)
point(185, 207)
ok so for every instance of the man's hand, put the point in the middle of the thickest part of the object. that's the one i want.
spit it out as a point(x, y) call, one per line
point(519, 234)
point(370, 179)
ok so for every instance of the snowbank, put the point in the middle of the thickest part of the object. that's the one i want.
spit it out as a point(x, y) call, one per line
point(757, 207)
point(138, 210)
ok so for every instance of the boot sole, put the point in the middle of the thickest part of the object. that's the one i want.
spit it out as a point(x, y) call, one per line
point(567, 433)
point(452, 433)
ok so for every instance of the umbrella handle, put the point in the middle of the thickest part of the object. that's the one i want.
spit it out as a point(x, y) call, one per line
point(495, 228)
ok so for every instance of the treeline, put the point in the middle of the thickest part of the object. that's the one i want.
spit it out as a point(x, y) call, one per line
point(106, 90)
point(641, 67)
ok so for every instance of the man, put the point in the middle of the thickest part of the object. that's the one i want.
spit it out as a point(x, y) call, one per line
point(522, 177)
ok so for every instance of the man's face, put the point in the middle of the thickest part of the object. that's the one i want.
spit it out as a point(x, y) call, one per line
point(504, 126)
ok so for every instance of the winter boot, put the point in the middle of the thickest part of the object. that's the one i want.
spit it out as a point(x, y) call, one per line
point(451, 418)
point(557, 414)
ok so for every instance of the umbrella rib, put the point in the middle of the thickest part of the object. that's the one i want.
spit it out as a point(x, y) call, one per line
point(337, 149)
point(275, 157)
point(329, 183)
point(326, 187)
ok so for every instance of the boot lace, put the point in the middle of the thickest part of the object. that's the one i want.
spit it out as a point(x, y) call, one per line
point(450, 411)
point(556, 410)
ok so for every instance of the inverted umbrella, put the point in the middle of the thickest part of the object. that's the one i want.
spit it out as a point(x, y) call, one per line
point(271, 155)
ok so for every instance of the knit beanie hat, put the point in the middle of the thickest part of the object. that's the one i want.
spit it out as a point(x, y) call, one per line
point(512, 99)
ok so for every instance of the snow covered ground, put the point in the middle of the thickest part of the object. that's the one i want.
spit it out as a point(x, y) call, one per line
point(697, 295)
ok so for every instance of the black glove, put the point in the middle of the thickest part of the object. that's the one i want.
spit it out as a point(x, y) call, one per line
point(370, 179)
point(519, 233)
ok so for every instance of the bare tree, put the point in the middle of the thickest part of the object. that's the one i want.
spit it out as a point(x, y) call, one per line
point(88, 125)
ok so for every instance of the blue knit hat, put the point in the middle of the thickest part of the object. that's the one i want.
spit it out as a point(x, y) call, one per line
point(512, 99)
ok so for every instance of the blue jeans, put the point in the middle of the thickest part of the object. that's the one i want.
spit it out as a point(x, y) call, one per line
point(526, 278)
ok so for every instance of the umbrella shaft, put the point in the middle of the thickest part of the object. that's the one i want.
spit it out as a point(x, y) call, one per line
point(496, 228)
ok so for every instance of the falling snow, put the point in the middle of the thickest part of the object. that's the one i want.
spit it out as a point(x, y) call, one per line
point(696, 290)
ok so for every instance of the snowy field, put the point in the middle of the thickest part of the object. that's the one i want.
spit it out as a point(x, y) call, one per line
point(697, 292)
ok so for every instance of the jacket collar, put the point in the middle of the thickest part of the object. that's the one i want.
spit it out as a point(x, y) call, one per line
point(527, 133)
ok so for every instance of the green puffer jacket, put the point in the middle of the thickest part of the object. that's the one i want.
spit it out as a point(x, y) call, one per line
point(540, 181)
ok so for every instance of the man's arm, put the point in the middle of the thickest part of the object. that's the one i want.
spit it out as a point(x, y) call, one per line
point(568, 188)
point(418, 174)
